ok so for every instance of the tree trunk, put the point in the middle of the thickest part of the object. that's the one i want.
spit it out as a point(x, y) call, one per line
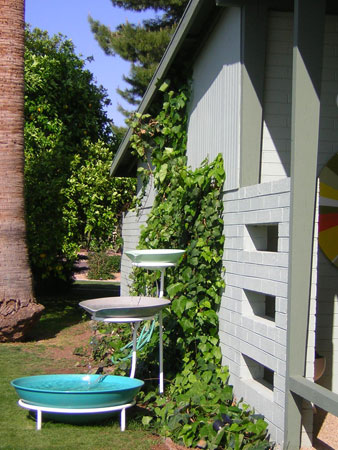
point(18, 308)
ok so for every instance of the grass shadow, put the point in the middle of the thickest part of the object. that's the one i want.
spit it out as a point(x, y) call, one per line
point(95, 289)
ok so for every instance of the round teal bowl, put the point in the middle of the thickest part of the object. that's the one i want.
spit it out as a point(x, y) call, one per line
point(77, 391)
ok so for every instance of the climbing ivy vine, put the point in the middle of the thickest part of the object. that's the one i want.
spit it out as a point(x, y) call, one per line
point(187, 214)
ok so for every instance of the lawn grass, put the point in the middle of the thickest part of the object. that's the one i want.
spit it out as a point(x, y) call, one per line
point(18, 428)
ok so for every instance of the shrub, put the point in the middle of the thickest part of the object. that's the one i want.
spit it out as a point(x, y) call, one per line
point(102, 266)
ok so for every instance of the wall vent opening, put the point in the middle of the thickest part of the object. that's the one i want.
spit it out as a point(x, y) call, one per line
point(258, 372)
point(261, 305)
point(263, 238)
point(270, 307)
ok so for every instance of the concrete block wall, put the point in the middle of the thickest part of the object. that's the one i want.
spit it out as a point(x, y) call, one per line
point(276, 137)
point(275, 164)
point(253, 340)
point(250, 340)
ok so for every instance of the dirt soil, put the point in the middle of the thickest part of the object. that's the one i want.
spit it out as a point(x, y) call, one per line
point(325, 426)
point(61, 349)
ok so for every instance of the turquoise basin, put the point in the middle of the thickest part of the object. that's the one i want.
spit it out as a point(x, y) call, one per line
point(77, 391)
point(155, 257)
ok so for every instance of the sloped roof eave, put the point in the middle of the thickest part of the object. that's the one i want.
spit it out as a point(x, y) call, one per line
point(123, 163)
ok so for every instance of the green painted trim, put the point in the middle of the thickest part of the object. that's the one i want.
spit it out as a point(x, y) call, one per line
point(307, 63)
point(254, 23)
point(318, 395)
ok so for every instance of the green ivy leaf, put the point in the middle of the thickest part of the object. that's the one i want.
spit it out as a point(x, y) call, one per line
point(164, 86)
point(146, 420)
point(173, 289)
point(163, 172)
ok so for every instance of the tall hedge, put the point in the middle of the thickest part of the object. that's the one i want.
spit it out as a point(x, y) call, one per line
point(69, 144)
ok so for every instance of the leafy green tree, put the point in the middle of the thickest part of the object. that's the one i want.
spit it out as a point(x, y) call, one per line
point(69, 145)
point(95, 200)
point(143, 45)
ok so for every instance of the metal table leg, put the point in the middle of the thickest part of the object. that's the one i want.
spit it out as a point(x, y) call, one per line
point(135, 326)
point(38, 419)
point(161, 352)
point(123, 419)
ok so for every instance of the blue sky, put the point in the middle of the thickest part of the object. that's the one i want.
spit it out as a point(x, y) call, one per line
point(70, 17)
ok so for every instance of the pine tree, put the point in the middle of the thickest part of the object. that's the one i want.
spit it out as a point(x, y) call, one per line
point(143, 45)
